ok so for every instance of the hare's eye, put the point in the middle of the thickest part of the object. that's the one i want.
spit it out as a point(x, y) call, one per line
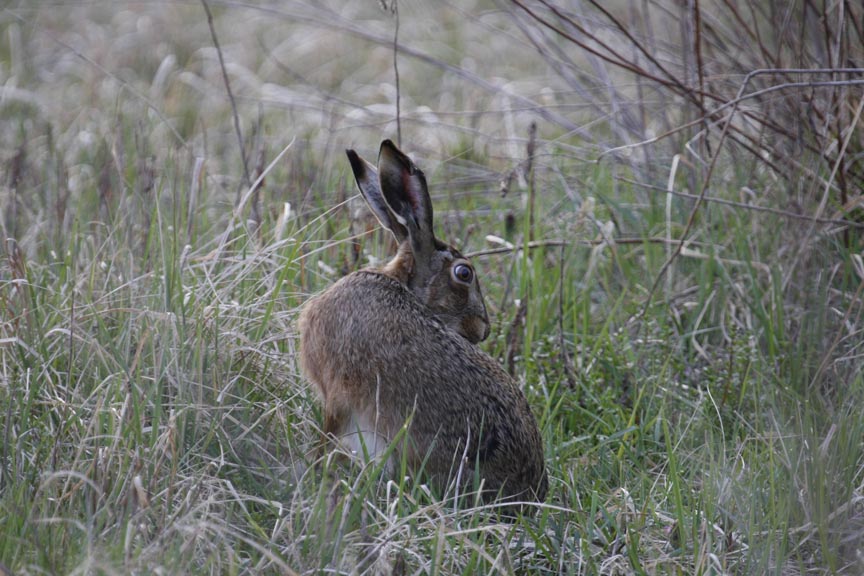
point(463, 273)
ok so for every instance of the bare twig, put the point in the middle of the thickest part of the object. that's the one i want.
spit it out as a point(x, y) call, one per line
point(514, 336)
point(562, 342)
point(692, 218)
point(395, 8)
point(257, 216)
point(240, 143)
point(586, 243)
point(740, 98)
point(700, 70)
point(529, 175)
point(562, 24)
point(753, 207)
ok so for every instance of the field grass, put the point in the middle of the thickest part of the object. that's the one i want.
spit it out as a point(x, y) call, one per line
point(702, 407)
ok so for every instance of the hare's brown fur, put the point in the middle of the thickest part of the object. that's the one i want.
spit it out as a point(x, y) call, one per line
point(382, 357)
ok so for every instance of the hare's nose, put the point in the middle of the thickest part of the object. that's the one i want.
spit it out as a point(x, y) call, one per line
point(474, 329)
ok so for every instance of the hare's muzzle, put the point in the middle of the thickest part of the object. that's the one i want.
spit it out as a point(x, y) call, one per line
point(475, 329)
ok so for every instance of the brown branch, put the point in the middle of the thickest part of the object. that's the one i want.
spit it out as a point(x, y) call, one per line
point(529, 169)
point(247, 180)
point(618, 60)
point(673, 80)
point(569, 372)
point(700, 67)
point(694, 95)
point(753, 207)
point(740, 98)
point(395, 8)
point(586, 243)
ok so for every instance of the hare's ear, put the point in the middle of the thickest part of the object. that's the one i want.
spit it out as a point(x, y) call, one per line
point(404, 188)
point(367, 181)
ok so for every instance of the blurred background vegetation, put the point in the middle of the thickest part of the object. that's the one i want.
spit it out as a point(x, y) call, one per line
point(663, 200)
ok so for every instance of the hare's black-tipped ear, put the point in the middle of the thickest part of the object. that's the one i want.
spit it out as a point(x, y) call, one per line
point(367, 181)
point(404, 188)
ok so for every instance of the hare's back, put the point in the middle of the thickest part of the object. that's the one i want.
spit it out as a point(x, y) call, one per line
point(353, 333)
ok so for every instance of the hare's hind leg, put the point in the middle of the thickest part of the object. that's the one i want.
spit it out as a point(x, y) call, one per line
point(334, 418)
point(330, 432)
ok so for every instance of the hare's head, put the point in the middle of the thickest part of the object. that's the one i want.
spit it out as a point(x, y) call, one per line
point(435, 272)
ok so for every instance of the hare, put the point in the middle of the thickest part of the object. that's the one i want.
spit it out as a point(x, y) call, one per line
point(394, 347)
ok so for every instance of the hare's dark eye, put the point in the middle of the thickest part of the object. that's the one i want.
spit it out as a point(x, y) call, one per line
point(463, 273)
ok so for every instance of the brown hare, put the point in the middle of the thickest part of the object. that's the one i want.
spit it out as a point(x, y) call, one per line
point(395, 346)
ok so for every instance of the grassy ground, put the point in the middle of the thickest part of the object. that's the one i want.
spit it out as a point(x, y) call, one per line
point(703, 417)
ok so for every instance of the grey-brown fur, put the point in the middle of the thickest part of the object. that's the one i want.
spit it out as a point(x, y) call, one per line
point(395, 345)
